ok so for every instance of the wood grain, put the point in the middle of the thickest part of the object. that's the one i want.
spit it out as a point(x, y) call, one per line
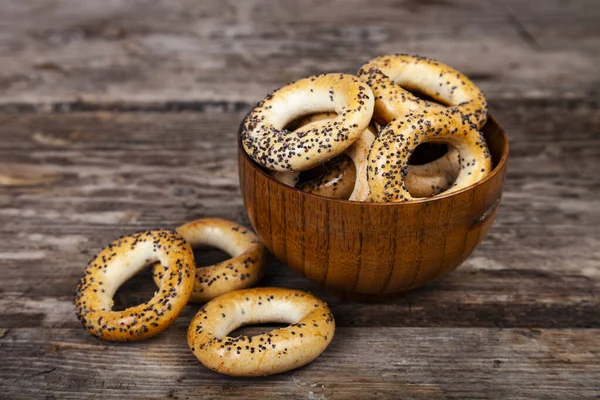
point(119, 116)
point(431, 363)
point(527, 297)
point(63, 55)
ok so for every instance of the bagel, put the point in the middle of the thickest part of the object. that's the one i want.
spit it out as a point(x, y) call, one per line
point(311, 330)
point(390, 77)
point(391, 150)
point(358, 153)
point(118, 262)
point(247, 266)
point(267, 142)
point(333, 179)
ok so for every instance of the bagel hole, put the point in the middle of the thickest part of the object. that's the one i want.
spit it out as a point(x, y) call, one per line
point(141, 288)
point(255, 329)
point(427, 152)
point(424, 154)
point(138, 289)
point(424, 96)
point(295, 123)
point(207, 256)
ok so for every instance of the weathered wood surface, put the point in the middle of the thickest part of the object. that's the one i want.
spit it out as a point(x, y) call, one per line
point(520, 318)
point(217, 53)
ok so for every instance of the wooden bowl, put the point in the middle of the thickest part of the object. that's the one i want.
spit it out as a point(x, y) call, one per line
point(370, 251)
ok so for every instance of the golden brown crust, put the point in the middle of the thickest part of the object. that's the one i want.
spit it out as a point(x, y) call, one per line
point(267, 142)
point(433, 178)
point(118, 262)
point(335, 178)
point(388, 159)
point(422, 180)
point(311, 330)
point(389, 76)
point(246, 267)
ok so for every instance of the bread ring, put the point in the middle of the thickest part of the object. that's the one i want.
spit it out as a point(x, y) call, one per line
point(425, 180)
point(247, 266)
point(269, 144)
point(335, 179)
point(118, 262)
point(311, 330)
point(422, 180)
point(390, 76)
point(388, 159)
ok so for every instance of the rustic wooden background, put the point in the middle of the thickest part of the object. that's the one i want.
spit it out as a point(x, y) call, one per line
point(118, 115)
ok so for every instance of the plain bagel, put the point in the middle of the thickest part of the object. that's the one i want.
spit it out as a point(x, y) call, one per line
point(310, 331)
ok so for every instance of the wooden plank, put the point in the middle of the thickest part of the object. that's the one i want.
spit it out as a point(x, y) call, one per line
point(73, 54)
point(84, 178)
point(409, 363)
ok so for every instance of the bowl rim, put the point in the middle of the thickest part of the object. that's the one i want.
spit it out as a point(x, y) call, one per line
point(496, 170)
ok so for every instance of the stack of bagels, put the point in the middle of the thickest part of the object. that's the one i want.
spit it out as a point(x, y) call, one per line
point(361, 131)
point(336, 135)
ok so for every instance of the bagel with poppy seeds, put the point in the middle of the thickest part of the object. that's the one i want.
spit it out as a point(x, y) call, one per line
point(267, 142)
point(118, 262)
point(246, 267)
point(335, 178)
point(391, 150)
point(392, 76)
point(310, 331)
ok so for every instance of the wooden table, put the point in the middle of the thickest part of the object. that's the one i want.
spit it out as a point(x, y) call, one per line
point(120, 116)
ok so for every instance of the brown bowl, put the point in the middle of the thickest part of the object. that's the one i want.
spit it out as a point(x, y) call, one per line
point(373, 250)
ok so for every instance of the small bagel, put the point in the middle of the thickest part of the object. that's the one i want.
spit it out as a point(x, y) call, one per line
point(247, 266)
point(311, 330)
point(334, 179)
point(390, 76)
point(391, 150)
point(270, 145)
point(118, 262)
